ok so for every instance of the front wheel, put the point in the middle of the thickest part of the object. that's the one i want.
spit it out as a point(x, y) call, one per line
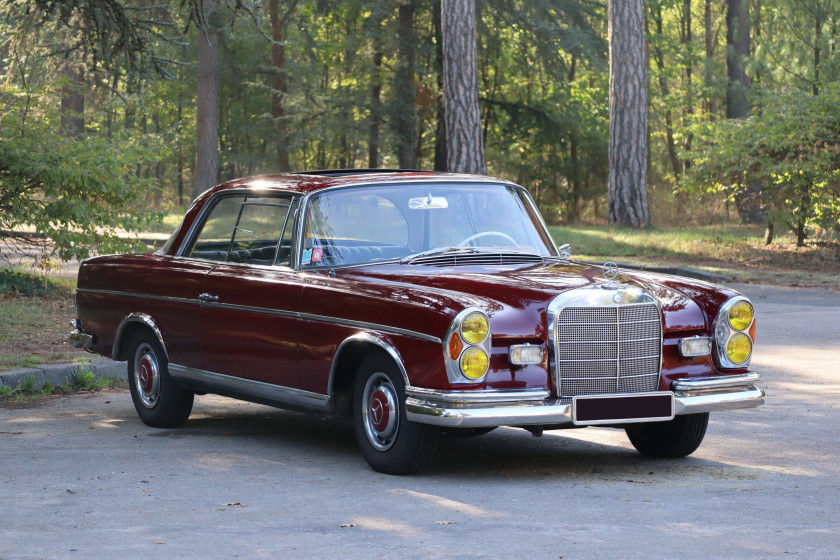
point(159, 400)
point(679, 437)
point(389, 442)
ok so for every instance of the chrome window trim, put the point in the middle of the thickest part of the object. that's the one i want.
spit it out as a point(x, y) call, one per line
point(211, 203)
point(303, 207)
point(370, 338)
point(279, 394)
point(144, 319)
point(598, 295)
point(279, 312)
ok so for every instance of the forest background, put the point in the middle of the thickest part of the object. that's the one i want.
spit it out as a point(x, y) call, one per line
point(94, 141)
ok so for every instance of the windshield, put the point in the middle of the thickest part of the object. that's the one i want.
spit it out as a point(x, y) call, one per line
point(358, 225)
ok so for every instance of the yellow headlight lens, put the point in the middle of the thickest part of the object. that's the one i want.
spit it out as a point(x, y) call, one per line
point(741, 315)
point(474, 328)
point(739, 348)
point(474, 363)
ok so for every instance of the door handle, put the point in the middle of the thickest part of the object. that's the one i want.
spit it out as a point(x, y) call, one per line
point(208, 297)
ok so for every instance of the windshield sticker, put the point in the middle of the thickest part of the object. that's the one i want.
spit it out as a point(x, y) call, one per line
point(316, 255)
point(307, 256)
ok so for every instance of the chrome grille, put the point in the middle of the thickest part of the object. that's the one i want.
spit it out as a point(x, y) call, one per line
point(603, 350)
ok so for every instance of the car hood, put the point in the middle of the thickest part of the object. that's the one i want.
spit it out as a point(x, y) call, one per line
point(530, 288)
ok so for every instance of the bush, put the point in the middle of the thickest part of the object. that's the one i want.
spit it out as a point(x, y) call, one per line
point(78, 193)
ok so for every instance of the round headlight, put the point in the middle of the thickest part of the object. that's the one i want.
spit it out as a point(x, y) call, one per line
point(739, 348)
point(741, 315)
point(474, 363)
point(474, 328)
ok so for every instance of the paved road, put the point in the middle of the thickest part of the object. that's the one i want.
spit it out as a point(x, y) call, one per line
point(81, 477)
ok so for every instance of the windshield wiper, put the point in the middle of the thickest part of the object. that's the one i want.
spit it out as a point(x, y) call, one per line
point(437, 251)
point(469, 250)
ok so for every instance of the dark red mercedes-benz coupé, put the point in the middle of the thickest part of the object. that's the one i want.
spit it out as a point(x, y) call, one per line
point(413, 302)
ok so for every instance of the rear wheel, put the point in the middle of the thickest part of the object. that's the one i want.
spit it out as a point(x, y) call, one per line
point(159, 400)
point(389, 442)
point(679, 437)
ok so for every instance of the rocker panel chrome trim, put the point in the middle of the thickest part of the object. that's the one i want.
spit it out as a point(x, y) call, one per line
point(282, 396)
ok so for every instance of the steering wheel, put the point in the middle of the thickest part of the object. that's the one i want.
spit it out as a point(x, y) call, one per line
point(479, 235)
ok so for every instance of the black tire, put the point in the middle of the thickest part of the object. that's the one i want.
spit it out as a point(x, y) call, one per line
point(679, 437)
point(159, 400)
point(388, 441)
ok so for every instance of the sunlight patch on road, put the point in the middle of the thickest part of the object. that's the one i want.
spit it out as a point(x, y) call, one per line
point(453, 505)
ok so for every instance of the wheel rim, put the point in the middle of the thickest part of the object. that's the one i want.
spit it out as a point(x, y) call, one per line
point(147, 375)
point(380, 412)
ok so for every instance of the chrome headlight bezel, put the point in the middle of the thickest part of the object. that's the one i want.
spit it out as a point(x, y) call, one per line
point(453, 365)
point(723, 332)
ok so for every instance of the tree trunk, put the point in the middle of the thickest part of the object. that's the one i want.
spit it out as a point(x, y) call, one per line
point(278, 80)
point(440, 112)
point(711, 104)
point(737, 51)
point(465, 148)
point(406, 90)
point(207, 106)
point(375, 97)
point(627, 186)
point(73, 103)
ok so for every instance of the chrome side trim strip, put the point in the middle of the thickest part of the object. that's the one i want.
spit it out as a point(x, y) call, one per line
point(277, 394)
point(278, 312)
point(136, 295)
point(253, 309)
point(369, 326)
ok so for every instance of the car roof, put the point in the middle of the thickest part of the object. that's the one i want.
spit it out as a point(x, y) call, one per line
point(305, 182)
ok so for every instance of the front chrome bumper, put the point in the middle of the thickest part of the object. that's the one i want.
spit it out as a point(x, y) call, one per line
point(481, 409)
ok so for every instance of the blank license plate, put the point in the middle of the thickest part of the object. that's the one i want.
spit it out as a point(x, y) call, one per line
point(620, 409)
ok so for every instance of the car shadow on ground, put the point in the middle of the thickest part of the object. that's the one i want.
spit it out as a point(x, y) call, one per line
point(564, 455)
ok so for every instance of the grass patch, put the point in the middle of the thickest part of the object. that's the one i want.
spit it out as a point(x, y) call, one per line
point(84, 381)
point(34, 328)
point(735, 251)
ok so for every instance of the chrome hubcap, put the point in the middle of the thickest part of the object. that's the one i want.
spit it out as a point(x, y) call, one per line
point(380, 411)
point(147, 375)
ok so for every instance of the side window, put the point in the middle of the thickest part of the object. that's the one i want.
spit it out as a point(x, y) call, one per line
point(213, 240)
point(246, 230)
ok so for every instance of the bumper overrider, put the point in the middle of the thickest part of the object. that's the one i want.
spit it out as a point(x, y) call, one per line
point(529, 407)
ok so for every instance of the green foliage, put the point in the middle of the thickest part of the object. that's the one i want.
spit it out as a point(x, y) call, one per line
point(789, 145)
point(81, 194)
point(27, 283)
point(84, 379)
